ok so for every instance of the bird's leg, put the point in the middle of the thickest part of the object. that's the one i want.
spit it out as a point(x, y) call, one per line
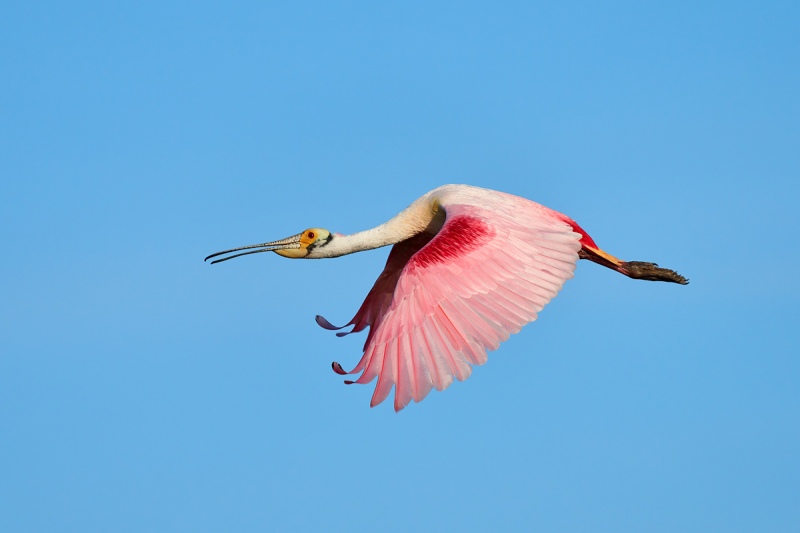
point(632, 269)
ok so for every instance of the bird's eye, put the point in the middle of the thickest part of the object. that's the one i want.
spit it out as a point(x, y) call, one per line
point(311, 235)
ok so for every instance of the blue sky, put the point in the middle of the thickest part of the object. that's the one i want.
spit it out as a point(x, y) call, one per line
point(143, 390)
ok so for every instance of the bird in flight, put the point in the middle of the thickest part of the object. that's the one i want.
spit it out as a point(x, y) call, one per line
point(468, 267)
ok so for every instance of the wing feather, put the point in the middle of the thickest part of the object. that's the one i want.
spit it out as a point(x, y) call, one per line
point(443, 301)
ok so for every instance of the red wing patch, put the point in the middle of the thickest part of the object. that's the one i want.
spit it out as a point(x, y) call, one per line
point(459, 236)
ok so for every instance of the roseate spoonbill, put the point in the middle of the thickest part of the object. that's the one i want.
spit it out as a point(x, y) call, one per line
point(469, 266)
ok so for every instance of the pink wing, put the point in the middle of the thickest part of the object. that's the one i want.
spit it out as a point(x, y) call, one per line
point(444, 300)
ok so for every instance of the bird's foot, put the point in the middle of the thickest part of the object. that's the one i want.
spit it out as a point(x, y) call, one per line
point(651, 272)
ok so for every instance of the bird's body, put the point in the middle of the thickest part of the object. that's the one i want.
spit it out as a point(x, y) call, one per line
point(469, 267)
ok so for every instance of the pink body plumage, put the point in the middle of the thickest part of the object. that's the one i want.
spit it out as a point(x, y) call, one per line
point(445, 299)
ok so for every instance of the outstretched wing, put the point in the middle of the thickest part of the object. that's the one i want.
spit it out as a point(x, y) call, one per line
point(443, 301)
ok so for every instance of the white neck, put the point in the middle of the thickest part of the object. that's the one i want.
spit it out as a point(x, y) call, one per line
point(409, 222)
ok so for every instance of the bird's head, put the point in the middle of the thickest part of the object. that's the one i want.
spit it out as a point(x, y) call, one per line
point(305, 245)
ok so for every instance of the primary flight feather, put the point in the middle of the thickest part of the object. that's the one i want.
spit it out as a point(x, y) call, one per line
point(469, 267)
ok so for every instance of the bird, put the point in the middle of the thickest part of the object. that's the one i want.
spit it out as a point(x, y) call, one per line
point(468, 267)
